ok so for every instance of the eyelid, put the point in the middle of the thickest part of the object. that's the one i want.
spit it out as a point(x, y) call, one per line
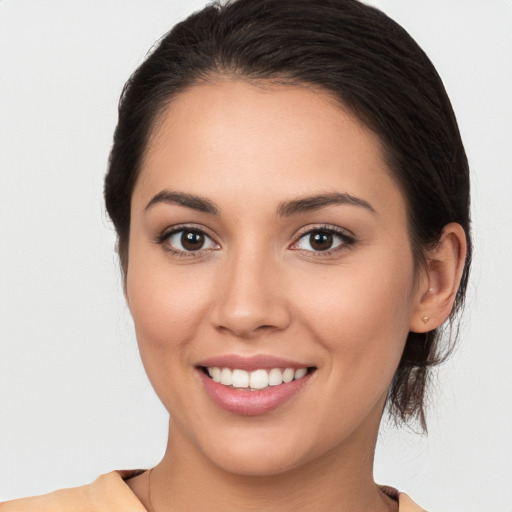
point(161, 239)
point(347, 236)
point(324, 227)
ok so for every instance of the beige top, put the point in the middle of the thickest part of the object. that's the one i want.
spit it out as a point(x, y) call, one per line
point(110, 493)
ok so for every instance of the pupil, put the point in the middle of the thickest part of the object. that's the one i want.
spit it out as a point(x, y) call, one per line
point(192, 241)
point(321, 241)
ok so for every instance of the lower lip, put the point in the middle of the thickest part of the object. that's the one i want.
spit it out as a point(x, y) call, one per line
point(251, 403)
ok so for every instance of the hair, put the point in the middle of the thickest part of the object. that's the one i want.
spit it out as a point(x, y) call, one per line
point(373, 67)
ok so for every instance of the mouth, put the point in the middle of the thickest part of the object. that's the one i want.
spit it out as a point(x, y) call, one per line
point(254, 385)
point(256, 380)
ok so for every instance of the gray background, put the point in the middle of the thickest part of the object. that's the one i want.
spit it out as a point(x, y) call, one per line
point(74, 400)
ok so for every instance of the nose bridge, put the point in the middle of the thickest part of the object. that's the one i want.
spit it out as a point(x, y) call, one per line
point(250, 297)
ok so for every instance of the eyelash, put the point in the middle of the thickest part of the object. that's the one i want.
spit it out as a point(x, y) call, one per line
point(347, 240)
point(165, 235)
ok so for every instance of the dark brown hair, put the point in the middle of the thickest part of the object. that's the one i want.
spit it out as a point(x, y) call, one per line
point(365, 60)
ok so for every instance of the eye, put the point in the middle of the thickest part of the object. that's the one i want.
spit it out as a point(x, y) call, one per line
point(323, 240)
point(188, 240)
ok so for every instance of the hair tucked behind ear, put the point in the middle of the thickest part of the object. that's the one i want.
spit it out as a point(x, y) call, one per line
point(365, 60)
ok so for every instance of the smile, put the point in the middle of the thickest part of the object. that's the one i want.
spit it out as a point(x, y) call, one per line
point(254, 380)
point(251, 386)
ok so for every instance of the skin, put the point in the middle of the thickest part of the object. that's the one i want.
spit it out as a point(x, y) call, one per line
point(258, 287)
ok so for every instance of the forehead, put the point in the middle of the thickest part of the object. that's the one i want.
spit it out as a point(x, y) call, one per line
point(232, 137)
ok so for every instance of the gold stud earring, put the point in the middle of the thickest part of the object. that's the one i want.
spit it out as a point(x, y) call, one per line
point(425, 319)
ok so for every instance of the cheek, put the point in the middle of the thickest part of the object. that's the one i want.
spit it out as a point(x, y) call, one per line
point(361, 317)
point(166, 305)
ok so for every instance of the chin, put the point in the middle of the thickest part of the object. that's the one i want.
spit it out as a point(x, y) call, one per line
point(262, 465)
point(261, 451)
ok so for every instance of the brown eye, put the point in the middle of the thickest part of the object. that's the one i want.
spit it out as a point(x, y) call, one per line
point(192, 240)
point(321, 240)
point(189, 240)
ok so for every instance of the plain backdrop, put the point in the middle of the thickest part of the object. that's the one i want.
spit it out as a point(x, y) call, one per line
point(74, 399)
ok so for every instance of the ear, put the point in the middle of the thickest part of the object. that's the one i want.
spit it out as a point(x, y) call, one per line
point(439, 281)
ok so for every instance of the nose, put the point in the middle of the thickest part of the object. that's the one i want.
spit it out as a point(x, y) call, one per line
point(251, 297)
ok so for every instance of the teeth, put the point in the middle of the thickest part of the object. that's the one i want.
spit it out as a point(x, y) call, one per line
point(300, 373)
point(258, 379)
point(288, 375)
point(240, 379)
point(216, 374)
point(226, 377)
point(275, 377)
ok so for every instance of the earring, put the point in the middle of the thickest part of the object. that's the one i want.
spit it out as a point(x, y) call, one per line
point(425, 319)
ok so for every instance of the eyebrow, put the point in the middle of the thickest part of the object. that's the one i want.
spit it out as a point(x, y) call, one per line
point(286, 209)
point(308, 204)
point(191, 201)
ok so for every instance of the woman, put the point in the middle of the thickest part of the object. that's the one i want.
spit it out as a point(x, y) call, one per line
point(291, 198)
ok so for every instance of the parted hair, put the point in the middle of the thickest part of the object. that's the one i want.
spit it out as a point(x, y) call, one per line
point(373, 67)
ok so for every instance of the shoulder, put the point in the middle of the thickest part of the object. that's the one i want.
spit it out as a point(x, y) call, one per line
point(405, 504)
point(108, 493)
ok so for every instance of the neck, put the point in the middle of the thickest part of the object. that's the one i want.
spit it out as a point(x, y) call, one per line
point(341, 480)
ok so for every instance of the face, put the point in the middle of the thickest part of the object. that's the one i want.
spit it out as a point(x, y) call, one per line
point(269, 251)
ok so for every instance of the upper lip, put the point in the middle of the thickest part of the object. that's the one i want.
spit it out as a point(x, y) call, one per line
point(251, 363)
